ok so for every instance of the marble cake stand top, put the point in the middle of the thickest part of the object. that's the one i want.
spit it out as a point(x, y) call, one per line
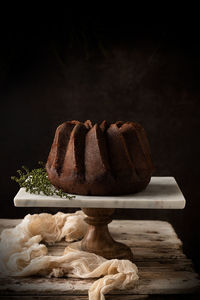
point(161, 193)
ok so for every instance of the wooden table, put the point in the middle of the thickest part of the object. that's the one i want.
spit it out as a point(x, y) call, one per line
point(163, 268)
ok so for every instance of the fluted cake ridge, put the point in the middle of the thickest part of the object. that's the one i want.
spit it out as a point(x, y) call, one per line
point(100, 159)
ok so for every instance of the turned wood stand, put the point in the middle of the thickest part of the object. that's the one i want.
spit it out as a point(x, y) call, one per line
point(161, 193)
point(98, 239)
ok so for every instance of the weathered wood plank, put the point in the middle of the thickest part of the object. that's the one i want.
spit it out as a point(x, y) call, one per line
point(159, 234)
point(72, 297)
point(163, 268)
point(108, 297)
point(151, 282)
point(140, 253)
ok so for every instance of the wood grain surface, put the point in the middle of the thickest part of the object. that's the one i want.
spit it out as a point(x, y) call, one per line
point(163, 267)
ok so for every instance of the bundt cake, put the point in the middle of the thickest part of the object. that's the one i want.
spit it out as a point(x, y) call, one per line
point(100, 159)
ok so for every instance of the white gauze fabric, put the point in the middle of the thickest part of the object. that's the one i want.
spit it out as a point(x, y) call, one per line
point(23, 254)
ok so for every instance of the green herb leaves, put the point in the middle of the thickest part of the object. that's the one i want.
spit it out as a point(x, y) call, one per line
point(36, 181)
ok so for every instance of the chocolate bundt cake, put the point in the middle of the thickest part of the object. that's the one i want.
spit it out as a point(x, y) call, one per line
point(100, 159)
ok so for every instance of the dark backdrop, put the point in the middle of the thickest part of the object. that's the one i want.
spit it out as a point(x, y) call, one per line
point(51, 73)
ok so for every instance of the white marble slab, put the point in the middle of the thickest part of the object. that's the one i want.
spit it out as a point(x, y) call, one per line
point(161, 193)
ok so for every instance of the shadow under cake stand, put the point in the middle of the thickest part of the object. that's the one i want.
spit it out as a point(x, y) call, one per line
point(161, 193)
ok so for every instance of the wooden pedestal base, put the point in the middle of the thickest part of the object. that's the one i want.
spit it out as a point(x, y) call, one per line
point(98, 239)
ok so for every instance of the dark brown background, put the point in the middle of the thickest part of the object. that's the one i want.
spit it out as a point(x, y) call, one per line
point(53, 72)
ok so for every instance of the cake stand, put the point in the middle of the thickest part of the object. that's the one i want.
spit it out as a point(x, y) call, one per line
point(161, 193)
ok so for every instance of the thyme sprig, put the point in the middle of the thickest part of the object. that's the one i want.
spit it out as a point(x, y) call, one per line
point(36, 181)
